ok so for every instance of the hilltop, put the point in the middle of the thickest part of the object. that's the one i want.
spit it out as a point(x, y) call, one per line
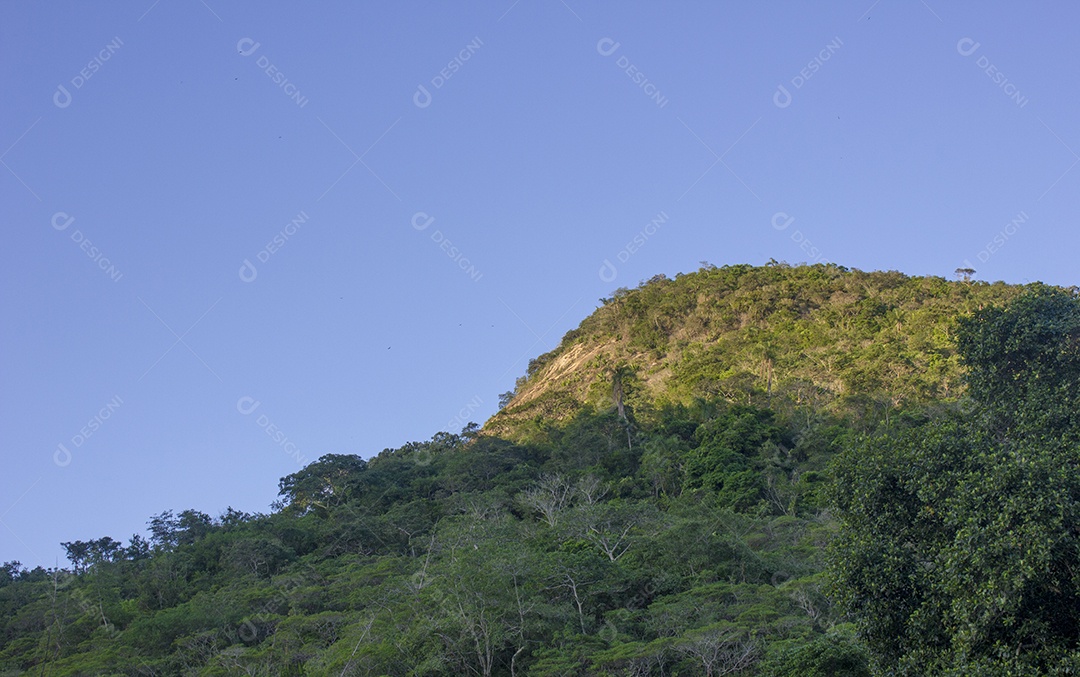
point(822, 337)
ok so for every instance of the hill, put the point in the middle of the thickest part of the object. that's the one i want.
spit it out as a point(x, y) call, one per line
point(652, 500)
point(823, 337)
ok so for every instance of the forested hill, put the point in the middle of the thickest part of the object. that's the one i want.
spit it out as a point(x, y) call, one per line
point(657, 498)
point(822, 337)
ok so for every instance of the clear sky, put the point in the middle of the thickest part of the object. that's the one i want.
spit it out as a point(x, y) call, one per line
point(241, 236)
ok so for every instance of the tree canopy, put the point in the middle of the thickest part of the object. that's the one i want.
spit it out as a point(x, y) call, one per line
point(959, 539)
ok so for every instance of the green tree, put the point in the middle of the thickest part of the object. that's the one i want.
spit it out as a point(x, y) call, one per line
point(1024, 363)
point(959, 546)
point(726, 460)
point(322, 484)
point(832, 655)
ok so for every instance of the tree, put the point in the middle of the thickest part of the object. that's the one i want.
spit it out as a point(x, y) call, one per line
point(138, 548)
point(618, 389)
point(193, 526)
point(720, 649)
point(105, 549)
point(1024, 363)
point(232, 518)
point(163, 530)
point(667, 558)
point(612, 527)
point(551, 494)
point(321, 484)
point(9, 572)
point(729, 445)
point(78, 553)
point(960, 537)
point(831, 655)
point(85, 554)
point(167, 531)
point(483, 603)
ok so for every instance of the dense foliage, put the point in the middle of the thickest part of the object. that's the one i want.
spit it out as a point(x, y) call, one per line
point(670, 551)
point(668, 515)
point(812, 338)
point(959, 546)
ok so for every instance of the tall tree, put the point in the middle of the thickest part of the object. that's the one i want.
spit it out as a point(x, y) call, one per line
point(1024, 363)
point(959, 547)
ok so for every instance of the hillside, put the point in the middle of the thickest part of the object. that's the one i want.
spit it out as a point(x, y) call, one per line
point(823, 337)
point(655, 499)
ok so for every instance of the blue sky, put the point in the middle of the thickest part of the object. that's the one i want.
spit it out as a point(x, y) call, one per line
point(357, 222)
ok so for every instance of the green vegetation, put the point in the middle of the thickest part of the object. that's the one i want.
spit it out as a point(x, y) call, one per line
point(819, 339)
point(769, 471)
point(959, 540)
